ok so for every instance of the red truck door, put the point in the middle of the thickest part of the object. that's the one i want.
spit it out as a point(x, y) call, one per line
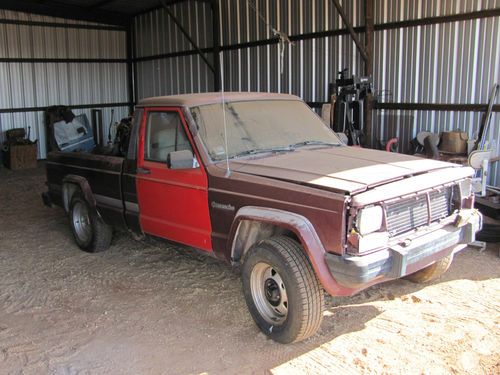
point(173, 204)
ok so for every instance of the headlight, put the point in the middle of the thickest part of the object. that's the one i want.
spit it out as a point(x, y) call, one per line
point(465, 188)
point(369, 219)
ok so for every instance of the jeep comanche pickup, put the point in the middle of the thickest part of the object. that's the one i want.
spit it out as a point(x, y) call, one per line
point(274, 191)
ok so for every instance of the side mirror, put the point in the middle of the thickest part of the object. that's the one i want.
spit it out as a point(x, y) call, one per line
point(183, 159)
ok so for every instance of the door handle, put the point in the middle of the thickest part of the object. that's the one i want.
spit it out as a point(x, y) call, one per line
point(143, 171)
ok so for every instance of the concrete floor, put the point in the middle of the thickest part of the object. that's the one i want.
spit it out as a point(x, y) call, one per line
point(145, 307)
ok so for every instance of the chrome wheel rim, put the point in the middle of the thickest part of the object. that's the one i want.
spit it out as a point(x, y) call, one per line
point(81, 222)
point(269, 293)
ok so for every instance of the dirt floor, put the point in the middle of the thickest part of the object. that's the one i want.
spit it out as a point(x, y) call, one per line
point(147, 307)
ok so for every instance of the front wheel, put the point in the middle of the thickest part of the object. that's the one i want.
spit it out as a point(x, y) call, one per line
point(282, 291)
point(432, 271)
point(91, 233)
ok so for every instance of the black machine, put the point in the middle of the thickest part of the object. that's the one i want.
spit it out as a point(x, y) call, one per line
point(348, 95)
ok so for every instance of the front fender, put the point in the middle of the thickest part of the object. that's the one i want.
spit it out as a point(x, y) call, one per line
point(304, 231)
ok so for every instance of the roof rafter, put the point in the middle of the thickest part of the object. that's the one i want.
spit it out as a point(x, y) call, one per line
point(63, 10)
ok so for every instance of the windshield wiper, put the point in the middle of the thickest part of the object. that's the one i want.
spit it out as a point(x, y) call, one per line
point(309, 143)
point(262, 151)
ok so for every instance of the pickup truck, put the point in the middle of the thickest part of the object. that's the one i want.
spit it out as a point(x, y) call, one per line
point(259, 181)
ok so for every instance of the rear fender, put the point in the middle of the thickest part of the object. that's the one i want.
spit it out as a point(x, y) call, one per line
point(299, 225)
point(71, 183)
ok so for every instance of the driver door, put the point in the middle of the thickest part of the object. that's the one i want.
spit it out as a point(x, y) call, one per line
point(173, 202)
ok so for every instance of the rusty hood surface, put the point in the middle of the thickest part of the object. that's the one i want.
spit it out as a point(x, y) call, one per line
point(346, 169)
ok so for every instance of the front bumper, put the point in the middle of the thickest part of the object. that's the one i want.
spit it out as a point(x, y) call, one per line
point(358, 272)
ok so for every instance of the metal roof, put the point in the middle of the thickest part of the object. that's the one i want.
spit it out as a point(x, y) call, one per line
point(111, 12)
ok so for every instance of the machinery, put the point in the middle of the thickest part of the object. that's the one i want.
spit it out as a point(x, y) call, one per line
point(348, 97)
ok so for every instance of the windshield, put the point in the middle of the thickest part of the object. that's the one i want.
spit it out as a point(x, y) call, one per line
point(260, 126)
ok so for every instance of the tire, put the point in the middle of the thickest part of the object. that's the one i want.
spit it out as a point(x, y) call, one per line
point(489, 233)
point(90, 232)
point(282, 291)
point(431, 272)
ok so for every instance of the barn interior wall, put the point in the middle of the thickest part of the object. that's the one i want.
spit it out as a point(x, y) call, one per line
point(49, 61)
point(453, 62)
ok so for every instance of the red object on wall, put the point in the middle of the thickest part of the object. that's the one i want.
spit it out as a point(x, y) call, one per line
point(389, 145)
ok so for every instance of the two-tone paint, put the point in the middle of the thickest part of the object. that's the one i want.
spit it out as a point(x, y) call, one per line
point(222, 209)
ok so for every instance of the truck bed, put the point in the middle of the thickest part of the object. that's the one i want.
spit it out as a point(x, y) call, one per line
point(104, 176)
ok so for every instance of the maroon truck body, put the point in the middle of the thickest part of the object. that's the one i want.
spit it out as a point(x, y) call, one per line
point(361, 216)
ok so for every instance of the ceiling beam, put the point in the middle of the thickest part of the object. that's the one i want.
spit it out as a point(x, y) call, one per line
point(168, 2)
point(345, 18)
point(100, 4)
point(62, 10)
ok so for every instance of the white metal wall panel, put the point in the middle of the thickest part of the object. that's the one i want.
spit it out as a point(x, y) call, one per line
point(179, 75)
point(453, 62)
point(308, 67)
point(446, 63)
point(156, 34)
point(241, 23)
point(43, 84)
point(24, 41)
point(402, 10)
point(39, 84)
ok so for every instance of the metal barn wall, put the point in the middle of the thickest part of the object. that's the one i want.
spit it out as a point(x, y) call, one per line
point(157, 36)
point(454, 62)
point(35, 70)
point(308, 65)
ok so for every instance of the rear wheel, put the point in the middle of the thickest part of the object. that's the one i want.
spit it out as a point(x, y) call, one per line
point(90, 232)
point(281, 290)
point(431, 272)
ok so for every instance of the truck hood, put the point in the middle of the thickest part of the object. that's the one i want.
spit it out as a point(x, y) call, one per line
point(348, 169)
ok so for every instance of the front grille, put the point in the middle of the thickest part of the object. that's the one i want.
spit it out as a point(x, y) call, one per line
point(440, 204)
point(411, 213)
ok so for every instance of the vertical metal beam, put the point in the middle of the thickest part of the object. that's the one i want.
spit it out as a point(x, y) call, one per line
point(130, 66)
point(354, 37)
point(216, 43)
point(369, 27)
point(369, 68)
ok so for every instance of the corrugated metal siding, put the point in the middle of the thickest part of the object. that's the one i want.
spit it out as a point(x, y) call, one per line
point(155, 34)
point(241, 23)
point(455, 62)
point(308, 67)
point(179, 75)
point(402, 10)
point(27, 84)
point(444, 63)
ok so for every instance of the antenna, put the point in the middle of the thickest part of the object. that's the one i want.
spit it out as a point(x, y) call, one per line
point(221, 59)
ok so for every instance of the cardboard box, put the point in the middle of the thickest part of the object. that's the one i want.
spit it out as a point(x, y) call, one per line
point(20, 156)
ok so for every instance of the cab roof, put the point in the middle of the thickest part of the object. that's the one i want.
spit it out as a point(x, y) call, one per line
point(193, 100)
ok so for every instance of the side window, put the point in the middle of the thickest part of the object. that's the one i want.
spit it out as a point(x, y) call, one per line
point(164, 134)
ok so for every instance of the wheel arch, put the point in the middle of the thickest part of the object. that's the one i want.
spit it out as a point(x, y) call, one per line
point(246, 231)
point(73, 183)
